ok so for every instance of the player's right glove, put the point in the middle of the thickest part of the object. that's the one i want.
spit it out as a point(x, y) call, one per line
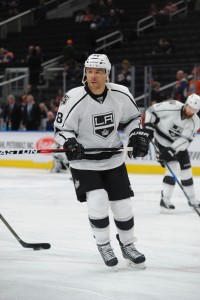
point(74, 150)
point(139, 140)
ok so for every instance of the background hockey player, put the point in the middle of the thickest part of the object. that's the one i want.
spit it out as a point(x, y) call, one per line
point(88, 117)
point(60, 161)
point(174, 125)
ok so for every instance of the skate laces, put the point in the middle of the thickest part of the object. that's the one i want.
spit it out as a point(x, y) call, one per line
point(130, 250)
point(107, 251)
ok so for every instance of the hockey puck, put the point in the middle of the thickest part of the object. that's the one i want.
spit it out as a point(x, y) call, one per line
point(37, 248)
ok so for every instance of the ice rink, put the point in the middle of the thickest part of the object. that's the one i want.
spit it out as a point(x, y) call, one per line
point(42, 207)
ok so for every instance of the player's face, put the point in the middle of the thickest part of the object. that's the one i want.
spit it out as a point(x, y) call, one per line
point(96, 78)
point(189, 111)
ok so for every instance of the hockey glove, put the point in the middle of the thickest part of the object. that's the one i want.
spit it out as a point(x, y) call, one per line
point(166, 155)
point(74, 150)
point(139, 140)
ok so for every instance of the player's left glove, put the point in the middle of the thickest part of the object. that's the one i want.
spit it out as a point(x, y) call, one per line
point(139, 139)
point(74, 150)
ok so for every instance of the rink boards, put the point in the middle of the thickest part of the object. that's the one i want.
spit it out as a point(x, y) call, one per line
point(41, 140)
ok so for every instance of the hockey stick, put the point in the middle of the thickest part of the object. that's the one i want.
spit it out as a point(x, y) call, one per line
point(176, 179)
point(35, 246)
point(43, 151)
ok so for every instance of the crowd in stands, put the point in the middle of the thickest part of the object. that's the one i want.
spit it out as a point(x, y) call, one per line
point(185, 85)
point(162, 12)
point(102, 13)
point(28, 112)
point(11, 8)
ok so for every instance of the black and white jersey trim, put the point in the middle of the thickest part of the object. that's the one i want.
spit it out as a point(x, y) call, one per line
point(127, 96)
point(163, 135)
point(73, 108)
point(130, 121)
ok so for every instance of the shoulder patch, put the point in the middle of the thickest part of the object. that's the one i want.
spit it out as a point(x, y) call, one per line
point(64, 99)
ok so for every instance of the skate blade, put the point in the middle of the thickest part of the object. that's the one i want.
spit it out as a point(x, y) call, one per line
point(131, 264)
point(114, 268)
point(166, 211)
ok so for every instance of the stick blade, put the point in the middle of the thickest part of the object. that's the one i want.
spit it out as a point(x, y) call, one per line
point(36, 246)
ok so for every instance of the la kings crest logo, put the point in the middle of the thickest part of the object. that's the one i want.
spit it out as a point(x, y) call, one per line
point(64, 100)
point(103, 125)
point(175, 130)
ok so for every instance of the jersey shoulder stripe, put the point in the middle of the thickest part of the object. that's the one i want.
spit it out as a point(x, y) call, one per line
point(75, 104)
point(118, 91)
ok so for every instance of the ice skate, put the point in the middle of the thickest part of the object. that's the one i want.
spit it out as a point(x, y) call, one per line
point(194, 203)
point(133, 257)
point(166, 205)
point(108, 255)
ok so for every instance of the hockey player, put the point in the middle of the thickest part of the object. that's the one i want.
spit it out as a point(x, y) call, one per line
point(174, 125)
point(88, 117)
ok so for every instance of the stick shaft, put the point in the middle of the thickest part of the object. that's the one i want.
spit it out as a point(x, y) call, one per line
point(43, 151)
point(24, 244)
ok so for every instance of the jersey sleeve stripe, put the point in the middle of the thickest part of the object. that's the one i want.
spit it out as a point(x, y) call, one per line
point(125, 124)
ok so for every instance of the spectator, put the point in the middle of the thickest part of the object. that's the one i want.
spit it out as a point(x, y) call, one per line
point(43, 112)
point(180, 89)
point(124, 76)
point(13, 7)
point(169, 8)
point(162, 15)
point(29, 53)
point(6, 56)
point(54, 106)
point(12, 114)
point(31, 114)
point(60, 95)
point(50, 121)
point(112, 18)
point(164, 46)
point(88, 16)
point(69, 52)
point(153, 11)
point(100, 13)
point(119, 12)
point(39, 53)
point(156, 96)
point(194, 83)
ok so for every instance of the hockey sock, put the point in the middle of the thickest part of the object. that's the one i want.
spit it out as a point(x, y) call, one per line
point(98, 206)
point(124, 220)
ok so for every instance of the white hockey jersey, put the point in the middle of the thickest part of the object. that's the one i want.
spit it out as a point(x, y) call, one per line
point(169, 126)
point(94, 120)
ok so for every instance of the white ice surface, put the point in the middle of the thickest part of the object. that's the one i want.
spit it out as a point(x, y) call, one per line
point(42, 207)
